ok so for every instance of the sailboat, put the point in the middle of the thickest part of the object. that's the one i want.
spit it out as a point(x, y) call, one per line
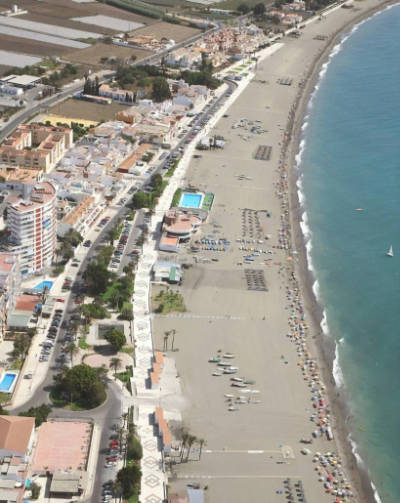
point(390, 252)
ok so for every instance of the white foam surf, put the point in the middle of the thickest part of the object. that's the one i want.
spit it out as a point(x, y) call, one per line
point(336, 370)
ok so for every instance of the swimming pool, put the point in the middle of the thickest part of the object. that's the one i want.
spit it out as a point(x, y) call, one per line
point(191, 200)
point(7, 382)
point(44, 284)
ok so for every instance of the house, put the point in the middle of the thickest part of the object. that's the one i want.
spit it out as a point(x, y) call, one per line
point(16, 436)
point(116, 94)
point(292, 19)
point(167, 271)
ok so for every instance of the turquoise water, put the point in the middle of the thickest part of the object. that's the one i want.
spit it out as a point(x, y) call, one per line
point(7, 382)
point(190, 200)
point(44, 284)
point(351, 160)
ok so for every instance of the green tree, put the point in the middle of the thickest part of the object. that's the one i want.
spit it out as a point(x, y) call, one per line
point(156, 181)
point(134, 449)
point(81, 384)
point(72, 350)
point(243, 8)
point(259, 9)
point(160, 90)
point(22, 343)
point(115, 363)
point(140, 200)
point(128, 480)
point(115, 338)
point(40, 413)
point(97, 277)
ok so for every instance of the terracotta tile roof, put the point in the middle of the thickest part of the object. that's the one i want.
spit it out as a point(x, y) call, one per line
point(15, 433)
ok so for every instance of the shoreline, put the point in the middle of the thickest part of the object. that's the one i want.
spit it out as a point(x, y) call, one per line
point(323, 345)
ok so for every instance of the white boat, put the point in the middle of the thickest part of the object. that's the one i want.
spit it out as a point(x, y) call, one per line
point(231, 409)
point(390, 252)
point(238, 384)
point(237, 379)
point(223, 364)
point(230, 371)
point(228, 395)
point(217, 373)
point(233, 368)
point(228, 355)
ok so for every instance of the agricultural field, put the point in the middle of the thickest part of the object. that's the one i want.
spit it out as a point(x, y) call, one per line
point(93, 56)
point(174, 31)
point(86, 111)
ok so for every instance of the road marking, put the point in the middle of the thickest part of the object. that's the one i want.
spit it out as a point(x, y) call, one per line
point(237, 451)
point(237, 477)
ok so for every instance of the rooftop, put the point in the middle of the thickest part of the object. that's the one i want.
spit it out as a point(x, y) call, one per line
point(15, 433)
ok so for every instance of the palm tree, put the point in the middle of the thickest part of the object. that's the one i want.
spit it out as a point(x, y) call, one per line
point(173, 331)
point(43, 294)
point(191, 440)
point(166, 337)
point(185, 438)
point(72, 350)
point(201, 442)
point(115, 363)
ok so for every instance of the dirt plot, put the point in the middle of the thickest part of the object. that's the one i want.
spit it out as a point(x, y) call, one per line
point(60, 13)
point(80, 109)
point(168, 30)
point(92, 55)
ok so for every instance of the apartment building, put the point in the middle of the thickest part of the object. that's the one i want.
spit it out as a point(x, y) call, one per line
point(10, 280)
point(36, 146)
point(115, 94)
point(32, 224)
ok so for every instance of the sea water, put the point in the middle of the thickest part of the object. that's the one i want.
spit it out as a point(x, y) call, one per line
point(349, 186)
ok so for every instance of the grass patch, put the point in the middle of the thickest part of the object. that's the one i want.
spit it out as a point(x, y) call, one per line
point(124, 376)
point(4, 397)
point(169, 302)
point(17, 364)
point(172, 169)
point(176, 198)
point(64, 404)
point(83, 344)
point(207, 201)
point(134, 498)
point(128, 351)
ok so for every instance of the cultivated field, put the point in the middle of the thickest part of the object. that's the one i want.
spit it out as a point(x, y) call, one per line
point(92, 55)
point(168, 30)
point(79, 109)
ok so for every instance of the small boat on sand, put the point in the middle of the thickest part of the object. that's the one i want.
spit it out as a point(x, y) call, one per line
point(228, 355)
point(217, 373)
point(232, 409)
point(237, 379)
point(228, 395)
point(230, 371)
point(214, 359)
point(224, 364)
point(238, 384)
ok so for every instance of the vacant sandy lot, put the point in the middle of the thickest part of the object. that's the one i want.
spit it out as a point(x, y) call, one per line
point(79, 109)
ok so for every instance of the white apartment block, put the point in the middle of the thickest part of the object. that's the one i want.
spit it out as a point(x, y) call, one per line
point(32, 224)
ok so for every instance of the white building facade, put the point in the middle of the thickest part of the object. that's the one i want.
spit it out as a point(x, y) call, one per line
point(32, 224)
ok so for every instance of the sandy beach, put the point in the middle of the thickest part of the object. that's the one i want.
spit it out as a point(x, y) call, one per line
point(274, 335)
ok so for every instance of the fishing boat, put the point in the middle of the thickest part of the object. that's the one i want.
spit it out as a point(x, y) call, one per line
point(228, 355)
point(237, 379)
point(390, 252)
point(217, 373)
point(230, 371)
point(214, 359)
point(228, 395)
point(238, 384)
point(233, 368)
point(231, 409)
point(224, 364)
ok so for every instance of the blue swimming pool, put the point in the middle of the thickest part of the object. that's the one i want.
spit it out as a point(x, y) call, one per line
point(44, 284)
point(191, 200)
point(7, 382)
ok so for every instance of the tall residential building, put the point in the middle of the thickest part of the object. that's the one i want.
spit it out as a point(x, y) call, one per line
point(32, 224)
point(9, 286)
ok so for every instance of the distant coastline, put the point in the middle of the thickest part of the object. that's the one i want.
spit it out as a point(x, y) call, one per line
point(325, 346)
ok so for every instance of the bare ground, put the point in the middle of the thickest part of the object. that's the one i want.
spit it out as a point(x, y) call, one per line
point(79, 109)
point(92, 55)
